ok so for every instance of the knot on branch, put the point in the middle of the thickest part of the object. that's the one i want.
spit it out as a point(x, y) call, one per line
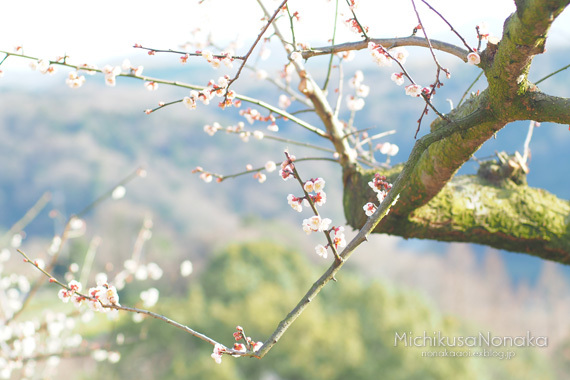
point(505, 171)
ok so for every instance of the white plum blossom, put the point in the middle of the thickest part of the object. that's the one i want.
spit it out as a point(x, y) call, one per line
point(398, 78)
point(284, 101)
point(379, 54)
point(356, 79)
point(118, 193)
point(309, 186)
point(321, 251)
point(212, 129)
point(189, 102)
point(260, 177)
point(339, 239)
point(320, 198)
point(151, 86)
point(363, 91)
point(400, 54)
point(473, 58)
point(74, 81)
point(217, 354)
point(354, 103)
point(206, 177)
point(388, 149)
point(261, 74)
point(149, 297)
point(295, 203)
point(270, 166)
point(414, 90)
point(315, 223)
point(186, 268)
point(369, 208)
point(318, 184)
point(296, 56)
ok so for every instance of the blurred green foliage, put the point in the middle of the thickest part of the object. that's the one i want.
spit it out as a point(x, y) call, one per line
point(348, 332)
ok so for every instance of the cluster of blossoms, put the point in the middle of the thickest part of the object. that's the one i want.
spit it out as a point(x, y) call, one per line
point(236, 129)
point(379, 54)
point(381, 188)
point(44, 66)
point(338, 239)
point(97, 298)
point(356, 102)
point(316, 224)
point(74, 80)
point(252, 115)
point(354, 26)
point(204, 176)
point(239, 348)
point(314, 194)
point(212, 90)
point(311, 186)
point(388, 148)
point(216, 60)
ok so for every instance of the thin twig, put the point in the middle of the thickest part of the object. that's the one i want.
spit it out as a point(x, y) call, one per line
point(469, 88)
point(448, 24)
point(551, 74)
point(269, 22)
point(333, 39)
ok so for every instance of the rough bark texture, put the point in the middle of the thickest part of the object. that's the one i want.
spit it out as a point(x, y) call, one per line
point(505, 214)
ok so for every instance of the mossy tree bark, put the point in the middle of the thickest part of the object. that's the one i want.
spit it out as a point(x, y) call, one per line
point(507, 214)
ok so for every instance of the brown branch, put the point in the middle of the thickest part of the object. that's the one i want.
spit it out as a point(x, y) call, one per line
point(246, 57)
point(389, 42)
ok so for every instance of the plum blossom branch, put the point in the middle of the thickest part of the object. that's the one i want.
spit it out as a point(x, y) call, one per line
point(73, 224)
point(187, 53)
point(268, 167)
point(289, 163)
point(244, 98)
point(392, 42)
point(74, 289)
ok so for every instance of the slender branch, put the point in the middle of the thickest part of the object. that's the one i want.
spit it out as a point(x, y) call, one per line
point(223, 177)
point(197, 54)
point(362, 30)
point(187, 329)
point(30, 215)
point(448, 24)
point(392, 42)
point(312, 204)
point(333, 39)
point(329, 275)
point(551, 74)
point(469, 88)
point(107, 194)
point(245, 58)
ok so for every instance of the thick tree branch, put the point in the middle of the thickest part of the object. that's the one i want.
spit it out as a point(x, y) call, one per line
point(472, 209)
